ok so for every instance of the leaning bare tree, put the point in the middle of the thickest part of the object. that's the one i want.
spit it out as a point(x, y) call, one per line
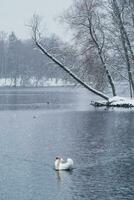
point(84, 20)
point(36, 36)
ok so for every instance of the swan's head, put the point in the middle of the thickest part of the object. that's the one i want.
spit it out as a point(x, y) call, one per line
point(57, 158)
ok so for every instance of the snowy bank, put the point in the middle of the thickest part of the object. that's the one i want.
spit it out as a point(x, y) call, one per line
point(115, 102)
point(32, 82)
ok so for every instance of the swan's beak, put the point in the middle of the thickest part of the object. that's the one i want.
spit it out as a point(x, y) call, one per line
point(57, 158)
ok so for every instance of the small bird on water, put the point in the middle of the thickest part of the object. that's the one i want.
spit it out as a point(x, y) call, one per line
point(60, 164)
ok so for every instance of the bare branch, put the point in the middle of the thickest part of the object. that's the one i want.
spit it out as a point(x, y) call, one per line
point(35, 31)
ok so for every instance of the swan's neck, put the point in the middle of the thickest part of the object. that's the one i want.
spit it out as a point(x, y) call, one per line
point(58, 164)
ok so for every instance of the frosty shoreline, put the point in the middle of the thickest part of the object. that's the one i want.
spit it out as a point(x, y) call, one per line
point(32, 82)
point(115, 102)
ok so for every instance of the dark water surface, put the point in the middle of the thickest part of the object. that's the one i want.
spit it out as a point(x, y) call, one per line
point(61, 122)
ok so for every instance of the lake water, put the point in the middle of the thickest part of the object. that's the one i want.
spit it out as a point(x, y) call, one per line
point(37, 125)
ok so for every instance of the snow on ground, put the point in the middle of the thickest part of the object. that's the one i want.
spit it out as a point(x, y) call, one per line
point(32, 82)
point(116, 102)
point(121, 100)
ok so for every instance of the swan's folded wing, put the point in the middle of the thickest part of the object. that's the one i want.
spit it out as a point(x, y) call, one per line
point(70, 161)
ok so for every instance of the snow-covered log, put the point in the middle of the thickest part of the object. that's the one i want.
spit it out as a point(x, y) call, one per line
point(115, 102)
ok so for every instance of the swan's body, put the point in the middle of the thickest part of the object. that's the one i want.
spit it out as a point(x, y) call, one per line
point(60, 164)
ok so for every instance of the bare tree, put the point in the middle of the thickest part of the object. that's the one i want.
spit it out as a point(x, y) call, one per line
point(3, 56)
point(124, 40)
point(84, 19)
point(36, 38)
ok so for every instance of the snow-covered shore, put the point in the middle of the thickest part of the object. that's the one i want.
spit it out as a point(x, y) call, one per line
point(32, 82)
point(115, 102)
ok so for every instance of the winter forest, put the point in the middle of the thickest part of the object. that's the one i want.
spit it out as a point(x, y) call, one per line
point(21, 64)
point(101, 51)
point(67, 100)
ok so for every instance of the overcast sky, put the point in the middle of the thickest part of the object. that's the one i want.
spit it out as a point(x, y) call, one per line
point(15, 14)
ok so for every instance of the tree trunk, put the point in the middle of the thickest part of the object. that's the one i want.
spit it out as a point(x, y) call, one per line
point(109, 76)
point(101, 58)
point(44, 51)
point(125, 40)
point(131, 86)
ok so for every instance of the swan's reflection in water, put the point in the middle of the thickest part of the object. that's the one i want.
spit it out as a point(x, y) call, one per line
point(63, 175)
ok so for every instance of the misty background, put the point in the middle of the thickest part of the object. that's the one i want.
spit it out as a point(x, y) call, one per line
point(16, 14)
point(93, 39)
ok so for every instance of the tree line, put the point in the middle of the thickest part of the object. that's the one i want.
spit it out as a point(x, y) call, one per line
point(21, 61)
point(101, 54)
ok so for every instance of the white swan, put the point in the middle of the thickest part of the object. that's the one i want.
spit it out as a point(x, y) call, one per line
point(60, 164)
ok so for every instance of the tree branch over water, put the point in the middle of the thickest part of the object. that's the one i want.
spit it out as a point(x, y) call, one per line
point(34, 26)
